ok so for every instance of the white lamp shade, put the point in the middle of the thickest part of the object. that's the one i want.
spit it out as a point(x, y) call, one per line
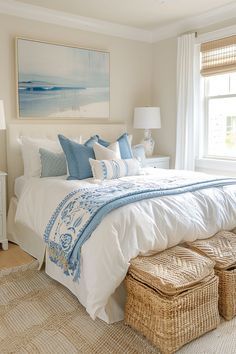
point(2, 116)
point(147, 118)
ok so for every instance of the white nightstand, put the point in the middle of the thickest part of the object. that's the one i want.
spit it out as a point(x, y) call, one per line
point(3, 231)
point(158, 162)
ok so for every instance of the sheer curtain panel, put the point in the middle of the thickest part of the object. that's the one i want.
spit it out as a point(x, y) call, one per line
point(185, 138)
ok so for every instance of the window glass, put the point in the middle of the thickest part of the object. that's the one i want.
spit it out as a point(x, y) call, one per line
point(222, 127)
point(233, 83)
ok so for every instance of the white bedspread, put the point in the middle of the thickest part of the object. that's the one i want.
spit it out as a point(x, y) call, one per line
point(138, 228)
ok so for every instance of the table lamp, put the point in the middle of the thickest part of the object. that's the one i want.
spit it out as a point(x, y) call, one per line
point(2, 116)
point(147, 118)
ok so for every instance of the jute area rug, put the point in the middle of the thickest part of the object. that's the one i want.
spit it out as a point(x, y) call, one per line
point(38, 315)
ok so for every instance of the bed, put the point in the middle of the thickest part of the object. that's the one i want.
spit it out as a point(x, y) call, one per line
point(144, 226)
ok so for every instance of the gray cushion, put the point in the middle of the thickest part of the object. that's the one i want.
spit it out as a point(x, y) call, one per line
point(53, 163)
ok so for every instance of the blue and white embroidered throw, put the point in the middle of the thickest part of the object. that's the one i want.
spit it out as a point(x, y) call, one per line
point(79, 213)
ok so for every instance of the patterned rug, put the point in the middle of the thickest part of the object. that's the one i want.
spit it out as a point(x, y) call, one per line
point(39, 316)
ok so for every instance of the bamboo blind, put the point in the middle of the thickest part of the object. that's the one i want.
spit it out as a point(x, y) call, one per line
point(218, 56)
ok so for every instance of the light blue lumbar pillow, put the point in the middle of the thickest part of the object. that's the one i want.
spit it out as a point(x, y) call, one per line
point(139, 153)
point(112, 169)
point(124, 144)
point(77, 157)
point(53, 163)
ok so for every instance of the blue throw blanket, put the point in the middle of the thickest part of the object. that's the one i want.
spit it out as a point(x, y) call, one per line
point(79, 213)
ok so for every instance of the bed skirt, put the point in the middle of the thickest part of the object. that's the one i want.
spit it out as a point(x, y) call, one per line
point(23, 236)
point(35, 246)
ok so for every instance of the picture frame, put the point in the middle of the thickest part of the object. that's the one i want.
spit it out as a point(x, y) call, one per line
point(61, 81)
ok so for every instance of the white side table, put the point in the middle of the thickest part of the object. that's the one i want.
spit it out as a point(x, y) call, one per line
point(3, 231)
point(158, 162)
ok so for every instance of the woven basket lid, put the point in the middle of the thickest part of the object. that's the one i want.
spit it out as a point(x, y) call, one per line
point(171, 271)
point(221, 248)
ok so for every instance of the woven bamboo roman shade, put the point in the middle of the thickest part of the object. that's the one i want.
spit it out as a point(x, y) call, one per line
point(218, 56)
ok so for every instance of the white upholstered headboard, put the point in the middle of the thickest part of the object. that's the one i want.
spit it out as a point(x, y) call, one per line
point(44, 130)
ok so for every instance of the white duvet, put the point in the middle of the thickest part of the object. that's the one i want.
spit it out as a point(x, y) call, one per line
point(138, 228)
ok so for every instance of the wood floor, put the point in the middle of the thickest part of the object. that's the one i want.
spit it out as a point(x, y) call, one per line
point(13, 257)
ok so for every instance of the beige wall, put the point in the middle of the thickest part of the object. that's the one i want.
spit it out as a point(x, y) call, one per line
point(164, 94)
point(141, 74)
point(130, 68)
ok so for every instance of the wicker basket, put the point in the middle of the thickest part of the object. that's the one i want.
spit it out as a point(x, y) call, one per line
point(227, 293)
point(171, 322)
point(172, 297)
point(222, 249)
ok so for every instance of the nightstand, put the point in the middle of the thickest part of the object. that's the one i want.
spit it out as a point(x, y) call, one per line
point(158, 162)
point(3, 231)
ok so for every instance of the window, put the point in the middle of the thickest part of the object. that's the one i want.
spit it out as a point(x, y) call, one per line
point(218, 70)
point(220, 116)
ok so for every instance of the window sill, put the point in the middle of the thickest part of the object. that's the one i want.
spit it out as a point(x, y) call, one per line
point(216, 166)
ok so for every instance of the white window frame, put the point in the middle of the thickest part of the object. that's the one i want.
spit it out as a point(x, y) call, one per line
point(207, 98)
point(204, 163)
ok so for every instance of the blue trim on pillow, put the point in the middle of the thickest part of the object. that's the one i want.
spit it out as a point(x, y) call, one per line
point(77, 156)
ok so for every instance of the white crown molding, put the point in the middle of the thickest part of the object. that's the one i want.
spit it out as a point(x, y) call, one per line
point(38, 13)
point(193, 23)
point(41, 14)
point(220, 33)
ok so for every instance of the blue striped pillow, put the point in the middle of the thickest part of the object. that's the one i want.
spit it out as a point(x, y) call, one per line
point(112, 169)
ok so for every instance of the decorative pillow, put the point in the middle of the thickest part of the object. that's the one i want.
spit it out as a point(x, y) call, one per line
point(139, 153)
point(30, 153)
point(125, 147)
point(77, 157)
point(124, 144)
point(112, 152)
point(52, 163)
point(91, 141)
point(101, 141)
point(112, 169)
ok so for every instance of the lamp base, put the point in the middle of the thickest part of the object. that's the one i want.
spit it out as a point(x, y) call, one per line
point(148, 143)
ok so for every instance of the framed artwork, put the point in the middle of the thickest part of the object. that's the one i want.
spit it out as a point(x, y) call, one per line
point(60, 81)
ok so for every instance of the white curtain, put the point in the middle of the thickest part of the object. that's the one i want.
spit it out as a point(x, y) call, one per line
point(185, 138)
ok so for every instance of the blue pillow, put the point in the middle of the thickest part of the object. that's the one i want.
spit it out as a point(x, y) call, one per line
point(139, 153)
point(103, 142)
point(53, 163)
point(77, 157)
point(90, 142)
point(97, 139)
point(125, 148)
point(123, 140)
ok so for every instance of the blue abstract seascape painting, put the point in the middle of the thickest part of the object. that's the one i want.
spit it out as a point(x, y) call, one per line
point(61, 81)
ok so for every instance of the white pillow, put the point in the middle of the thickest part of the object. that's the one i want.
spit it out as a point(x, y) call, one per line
point(112, 152)
point(30, 153)
point(112, 169)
